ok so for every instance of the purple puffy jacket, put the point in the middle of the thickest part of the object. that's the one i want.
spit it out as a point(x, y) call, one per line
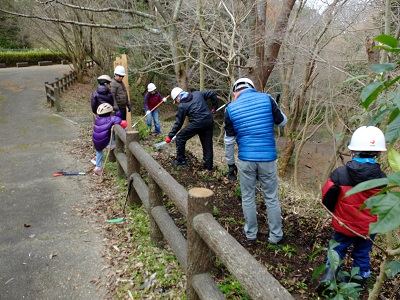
point(102, 95)
point(102, 131)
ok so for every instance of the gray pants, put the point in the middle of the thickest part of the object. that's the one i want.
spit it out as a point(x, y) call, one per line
point(266, 172)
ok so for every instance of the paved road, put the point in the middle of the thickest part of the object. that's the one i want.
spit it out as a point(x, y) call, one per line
point(60, 253)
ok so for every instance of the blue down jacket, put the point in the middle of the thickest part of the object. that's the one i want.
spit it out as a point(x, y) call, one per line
point(102, 131)
point(251, 118)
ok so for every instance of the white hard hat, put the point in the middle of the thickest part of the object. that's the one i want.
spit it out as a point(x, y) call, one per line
point(241, 83)
point(175, 92)
point(368, 138)
point(120, 70)
point(151, 87)
point(104, 108)
point(103, 79)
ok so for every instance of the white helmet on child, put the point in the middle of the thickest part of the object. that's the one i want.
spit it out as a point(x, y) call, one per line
point(151, 87)
point(368, 138)
point(104, 108)
point(175, 92)
point(119, 70)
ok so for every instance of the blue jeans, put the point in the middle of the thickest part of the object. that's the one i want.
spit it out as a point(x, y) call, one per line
point(154, 116)
point(359, 254)
point(99, 158)
point(266, 172)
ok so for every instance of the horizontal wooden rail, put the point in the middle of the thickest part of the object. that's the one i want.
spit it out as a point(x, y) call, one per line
point(172, 234)
point(167, 183)
point(256, 280)
point(59, 85)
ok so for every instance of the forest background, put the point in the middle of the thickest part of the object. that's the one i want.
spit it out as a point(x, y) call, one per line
point(302, 50)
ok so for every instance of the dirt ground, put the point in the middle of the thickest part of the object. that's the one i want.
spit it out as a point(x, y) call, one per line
point(305, 223)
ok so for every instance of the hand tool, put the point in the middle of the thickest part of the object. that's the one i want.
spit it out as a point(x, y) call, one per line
point(61, 173)
point(155, 107)
point(163, 143)
point(117, 220)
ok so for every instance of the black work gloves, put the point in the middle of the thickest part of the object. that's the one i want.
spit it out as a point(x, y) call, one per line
point(232, 172)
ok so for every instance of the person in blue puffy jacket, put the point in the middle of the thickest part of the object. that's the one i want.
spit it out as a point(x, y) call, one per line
point(102, 132)
point(249, 122)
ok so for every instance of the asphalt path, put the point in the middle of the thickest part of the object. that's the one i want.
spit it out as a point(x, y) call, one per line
point(47, 251)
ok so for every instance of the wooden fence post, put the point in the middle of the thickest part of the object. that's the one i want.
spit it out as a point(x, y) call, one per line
point(62, 80)
point(57, 99)
point(57, 83)
point(133, 164)
point(200, 200)
point(47, 92)
point(155, 199)
point(119, 143)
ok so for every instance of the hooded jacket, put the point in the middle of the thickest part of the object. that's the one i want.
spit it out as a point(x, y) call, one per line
point(101, 95)
point(118, 89)
point(346, 209)
point(151, 100)
point(102, 130)
point(194, 106)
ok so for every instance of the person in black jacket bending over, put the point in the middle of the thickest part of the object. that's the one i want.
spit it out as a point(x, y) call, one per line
point(201, 122)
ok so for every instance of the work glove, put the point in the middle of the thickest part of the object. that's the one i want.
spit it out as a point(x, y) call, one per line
point(123, 124)
point(129, 107)
point(164, 99)
point(232, 172)
point(147, 112)
point(167, 140)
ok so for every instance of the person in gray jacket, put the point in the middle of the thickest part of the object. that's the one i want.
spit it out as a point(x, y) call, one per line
point(249, 121)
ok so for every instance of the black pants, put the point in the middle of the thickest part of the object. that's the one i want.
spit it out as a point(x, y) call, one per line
point(205, 134)
point(123, 113)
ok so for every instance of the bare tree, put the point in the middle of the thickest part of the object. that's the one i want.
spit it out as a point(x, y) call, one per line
point(309, 74)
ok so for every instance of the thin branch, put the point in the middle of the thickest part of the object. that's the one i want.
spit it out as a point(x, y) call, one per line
point(107, 9)
point(139, 26)
point(352, 231)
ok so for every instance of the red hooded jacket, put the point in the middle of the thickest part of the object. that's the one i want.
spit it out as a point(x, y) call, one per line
point(347, 209)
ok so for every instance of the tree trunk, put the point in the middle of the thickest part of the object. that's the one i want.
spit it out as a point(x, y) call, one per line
point(266, 56)
point(285, 157)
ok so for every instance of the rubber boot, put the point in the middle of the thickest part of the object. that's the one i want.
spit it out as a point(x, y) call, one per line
point(325, 281)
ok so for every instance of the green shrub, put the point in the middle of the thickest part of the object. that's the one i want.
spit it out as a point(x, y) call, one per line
point(32, 57)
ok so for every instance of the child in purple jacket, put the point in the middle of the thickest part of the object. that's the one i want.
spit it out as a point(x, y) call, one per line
point(102, 94)
point(102, 132)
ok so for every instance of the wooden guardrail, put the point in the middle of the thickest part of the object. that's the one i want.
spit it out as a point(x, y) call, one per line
point(54, 89)
point(205, 236)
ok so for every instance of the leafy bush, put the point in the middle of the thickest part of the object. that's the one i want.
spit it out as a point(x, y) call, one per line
point(11, 58)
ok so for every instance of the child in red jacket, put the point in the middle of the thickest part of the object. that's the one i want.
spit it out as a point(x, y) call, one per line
point(366, 144)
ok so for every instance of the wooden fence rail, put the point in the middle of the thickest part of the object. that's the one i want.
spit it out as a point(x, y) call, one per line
point(59, 85)
point(205, 236)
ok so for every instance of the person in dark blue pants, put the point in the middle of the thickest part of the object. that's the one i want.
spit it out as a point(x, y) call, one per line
point(366, 144)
